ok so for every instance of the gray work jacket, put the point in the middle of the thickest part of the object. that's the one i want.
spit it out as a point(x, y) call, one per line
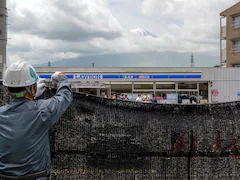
point(24, 126)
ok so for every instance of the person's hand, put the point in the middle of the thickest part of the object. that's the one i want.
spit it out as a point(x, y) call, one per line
point(41, 87)
point(56, 75)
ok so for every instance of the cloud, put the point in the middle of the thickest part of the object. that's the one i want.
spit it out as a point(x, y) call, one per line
point(173, 8)
point(44, 30)
point(70, 20)
point(200, 29)
point(200, 17)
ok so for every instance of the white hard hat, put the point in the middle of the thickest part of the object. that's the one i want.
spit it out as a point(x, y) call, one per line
point(20, 74)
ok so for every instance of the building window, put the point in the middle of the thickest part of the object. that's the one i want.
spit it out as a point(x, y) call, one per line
point(167, 97)
point(135, 95)
point(187, 85)
point(236, 65)
point(236, 22)
point(143, 85)
point(87, 90)
point(183, 97)
point(236, 45)
point(121, 87)
point(203, 93)
point(165, 85)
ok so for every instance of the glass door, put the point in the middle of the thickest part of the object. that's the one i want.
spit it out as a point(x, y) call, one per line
point(188, 97)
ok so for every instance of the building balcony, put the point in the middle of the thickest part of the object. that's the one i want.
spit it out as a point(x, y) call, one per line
point(236, 22)
point(224, 55)
point(236, 25)
point(236, 49)
point(236, 45)
point(223, 32)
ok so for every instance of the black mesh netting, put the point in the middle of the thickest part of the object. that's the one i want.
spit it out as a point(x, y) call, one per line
point(100, 138)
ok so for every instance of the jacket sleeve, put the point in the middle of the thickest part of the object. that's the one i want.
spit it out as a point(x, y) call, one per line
point(55, 106)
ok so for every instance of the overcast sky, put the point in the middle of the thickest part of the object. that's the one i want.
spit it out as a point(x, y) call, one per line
point(51, 30)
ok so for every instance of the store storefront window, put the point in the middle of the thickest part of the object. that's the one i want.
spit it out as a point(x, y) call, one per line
point(121, 87)
point(105, 89)
point(187, 85)
point(203, 93)
point(183, 97)
point(167, 97)
point(188, 97)
point(74, 90)
point(135, 95)
point(143, 85)
point(165, 85)
point(88, 90)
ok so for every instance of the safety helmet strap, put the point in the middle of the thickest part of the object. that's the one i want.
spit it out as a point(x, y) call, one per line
point(19, 94)
point(29, 90)
point(23, 93)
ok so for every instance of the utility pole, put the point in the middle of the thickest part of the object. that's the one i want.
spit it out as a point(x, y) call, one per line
point(192, 61)
point(3, 36)
point(221, 39)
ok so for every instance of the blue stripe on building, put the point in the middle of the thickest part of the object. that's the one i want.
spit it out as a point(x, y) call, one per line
point(134, 76)
point(157, 76)
point(193, 76)
point(48, 76)
point(176, 76)
point(160, 76)
point(45, 76)
point(70, 76)
point(110, 76)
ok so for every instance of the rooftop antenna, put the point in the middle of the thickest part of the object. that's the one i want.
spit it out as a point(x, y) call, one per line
point(192, 61)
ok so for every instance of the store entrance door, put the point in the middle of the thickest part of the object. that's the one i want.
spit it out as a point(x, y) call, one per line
point(106, 90)
point(188, 97)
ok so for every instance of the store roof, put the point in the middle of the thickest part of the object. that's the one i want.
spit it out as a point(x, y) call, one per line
point(117, 69)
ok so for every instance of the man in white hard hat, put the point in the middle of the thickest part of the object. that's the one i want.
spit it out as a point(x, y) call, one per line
point(25, 122)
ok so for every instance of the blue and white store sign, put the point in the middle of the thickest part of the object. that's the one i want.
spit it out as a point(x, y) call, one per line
point(166, 76)
point(152, 76)
point(87, 76)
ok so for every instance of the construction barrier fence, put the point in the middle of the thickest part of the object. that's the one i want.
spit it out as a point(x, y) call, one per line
point(100, 138)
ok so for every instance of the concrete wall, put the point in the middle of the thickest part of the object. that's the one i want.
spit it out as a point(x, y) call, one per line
point(227, 82)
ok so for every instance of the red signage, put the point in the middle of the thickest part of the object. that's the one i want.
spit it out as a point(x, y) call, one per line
point(214, 95)
point(214, 92)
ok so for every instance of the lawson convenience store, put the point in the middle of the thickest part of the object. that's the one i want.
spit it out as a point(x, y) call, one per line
point(171, 86)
